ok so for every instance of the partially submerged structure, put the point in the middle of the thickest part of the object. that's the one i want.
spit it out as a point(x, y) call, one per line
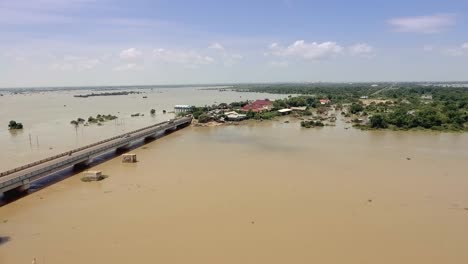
point(92, 176)
point(234, 116)
point(182, 108)
point(129, 158)
point(285, 111)
point(299, 108)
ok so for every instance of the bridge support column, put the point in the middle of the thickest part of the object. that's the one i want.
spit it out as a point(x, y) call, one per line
point(82, 165)
point(18, 190)
point(123, 148)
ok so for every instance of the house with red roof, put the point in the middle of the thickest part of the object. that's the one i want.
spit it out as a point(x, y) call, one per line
point(324, 101)
point(258, 106)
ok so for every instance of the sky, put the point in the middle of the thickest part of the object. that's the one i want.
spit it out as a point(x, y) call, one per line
point(47, 43)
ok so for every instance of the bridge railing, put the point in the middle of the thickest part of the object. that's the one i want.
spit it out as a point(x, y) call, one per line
point(29, 165)
point(74, 159)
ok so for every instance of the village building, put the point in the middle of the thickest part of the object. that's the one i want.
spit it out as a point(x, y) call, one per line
point(285, 111)
point(299, 108)
point(234, 116)
point(258, 106)
point(324, 101)
point(182, 108)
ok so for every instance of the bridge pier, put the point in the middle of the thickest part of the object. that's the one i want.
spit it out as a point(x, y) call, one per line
point(24, 187)
point(82, 164)
point(123, 148)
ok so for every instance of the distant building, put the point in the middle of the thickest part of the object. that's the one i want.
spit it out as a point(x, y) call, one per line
point(258, 106)
point(182, 108)
point(426, 96)
point(299, 108)
point(234, 116)
point(285, 111)
point(324, 101)
point(364, 97)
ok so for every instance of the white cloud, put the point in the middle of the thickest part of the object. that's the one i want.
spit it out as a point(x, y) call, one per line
point(69, 62)
point(455, 52)
point(423, 24)
point(130, 54)
point(361, 49)
point(278, 64)
point(311, 51)
point(216, 46)
point(231, 59)
point(428, 48)
point(458, 51)
point(126, 67)
point(187, 58)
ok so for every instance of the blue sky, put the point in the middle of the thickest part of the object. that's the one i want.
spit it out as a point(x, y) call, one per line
point(104, 42)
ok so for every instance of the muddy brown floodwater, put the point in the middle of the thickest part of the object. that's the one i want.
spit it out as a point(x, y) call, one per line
point(266, 192)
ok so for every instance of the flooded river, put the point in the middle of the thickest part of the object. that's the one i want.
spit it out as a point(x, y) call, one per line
point(260, 192)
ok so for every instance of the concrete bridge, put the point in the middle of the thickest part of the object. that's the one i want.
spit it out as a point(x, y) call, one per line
point(19, 179)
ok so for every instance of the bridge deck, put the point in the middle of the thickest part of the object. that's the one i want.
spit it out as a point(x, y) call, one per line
point(15, 177)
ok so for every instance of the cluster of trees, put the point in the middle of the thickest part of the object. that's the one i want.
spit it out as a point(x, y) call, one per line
point(355, 108)
point(311, 123)
point(15, 125)
point(337, 92)
point(101, 118)
point(78, 121)
point(297, 101)
point(427, 116)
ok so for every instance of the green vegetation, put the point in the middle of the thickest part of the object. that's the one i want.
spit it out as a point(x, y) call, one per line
point(15, 125)
point(78, 121)
point(99, 119)
point(378, 121)
point(311, 123)
point(309, 101)
point(387, 105)
point(204, 118)
point(356, 108)
point(106, 94)
point(153, 111)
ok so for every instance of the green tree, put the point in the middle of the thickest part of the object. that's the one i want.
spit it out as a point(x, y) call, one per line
point(378, 121)
point(204, 118)
point(355, 108)
point(15, 125)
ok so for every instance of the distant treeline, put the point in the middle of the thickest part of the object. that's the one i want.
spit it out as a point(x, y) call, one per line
point(106, 94)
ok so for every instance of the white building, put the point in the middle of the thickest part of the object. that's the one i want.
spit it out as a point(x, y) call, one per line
point(182, 108)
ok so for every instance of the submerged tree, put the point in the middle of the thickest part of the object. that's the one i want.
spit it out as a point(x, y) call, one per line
point(14, 125)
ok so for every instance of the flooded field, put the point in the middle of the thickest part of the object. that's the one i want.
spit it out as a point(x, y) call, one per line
point(46, 117)
point(265, 192)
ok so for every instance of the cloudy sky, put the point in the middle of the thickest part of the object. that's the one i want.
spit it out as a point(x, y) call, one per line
point(123, 42)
